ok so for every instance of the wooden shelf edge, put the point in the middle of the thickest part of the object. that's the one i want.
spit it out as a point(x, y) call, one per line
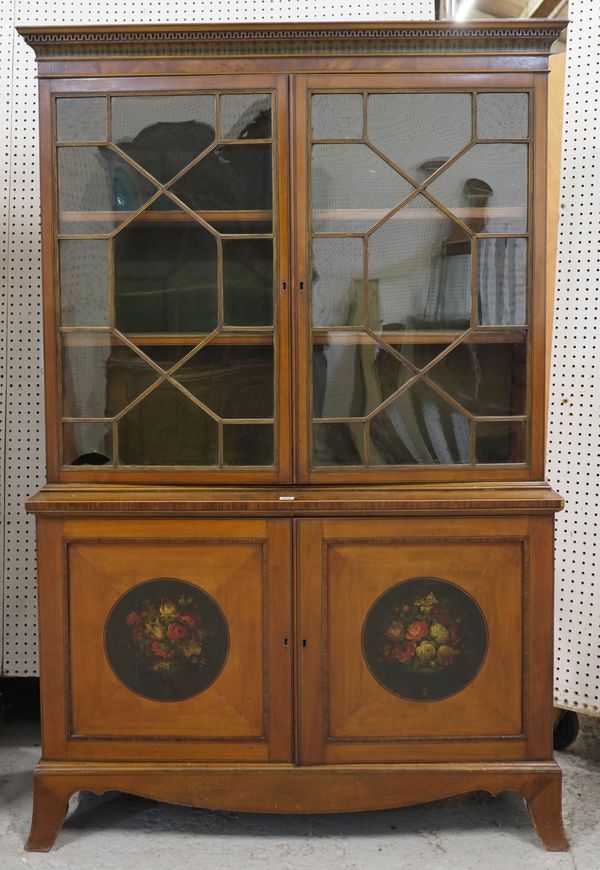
point(290, 501)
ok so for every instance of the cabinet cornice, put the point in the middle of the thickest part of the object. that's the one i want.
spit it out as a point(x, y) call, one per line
point(324, 38)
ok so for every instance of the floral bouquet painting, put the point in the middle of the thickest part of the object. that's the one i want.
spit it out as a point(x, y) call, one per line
point(166, 639)
point(424, 639)
point(169, 632)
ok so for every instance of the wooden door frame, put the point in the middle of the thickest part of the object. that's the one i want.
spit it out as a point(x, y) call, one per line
point(157, 84)
point(302, 85)
point(315, 746)
point(60, 741)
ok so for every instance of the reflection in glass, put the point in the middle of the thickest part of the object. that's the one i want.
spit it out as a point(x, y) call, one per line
point(502, 116)
point(337, 282)
point(352, 375)
point(502, 281)
point(419, 132)
point(167, 428)
point(163, 133)
point(420, 261)
point(245, 116)
point(235, 381)
point(97, 180)
point(81, 119)
point(337, 116)
point(338, 444)
point(235, 177)
point(248, 444)
point(501, 442)
point(487, 376)
point(487, 188)
point(352, 188)
point(419, 428)
point(87, 444)
point(248, 282)
point(165, 278)
point(101, 376)
point(84, 282)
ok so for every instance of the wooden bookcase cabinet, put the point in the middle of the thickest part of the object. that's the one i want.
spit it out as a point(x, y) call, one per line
point(295, 549)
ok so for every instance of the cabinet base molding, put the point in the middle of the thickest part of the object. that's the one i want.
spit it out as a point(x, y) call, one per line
point(289, 789)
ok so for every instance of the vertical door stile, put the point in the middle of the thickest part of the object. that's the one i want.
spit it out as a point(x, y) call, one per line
point(300, 300)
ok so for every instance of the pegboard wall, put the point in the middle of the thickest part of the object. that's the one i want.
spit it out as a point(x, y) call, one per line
point(574, 422)
point(21, 408)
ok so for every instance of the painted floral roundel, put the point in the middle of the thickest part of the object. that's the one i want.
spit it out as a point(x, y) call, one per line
point(166, 639)
point(424, 639)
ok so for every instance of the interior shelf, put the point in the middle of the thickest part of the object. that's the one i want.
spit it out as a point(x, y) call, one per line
point(229, 338)
point(510, 335)
point(161, 217)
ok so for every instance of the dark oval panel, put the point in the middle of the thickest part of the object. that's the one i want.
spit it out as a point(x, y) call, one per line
point(424, 639)
point(166, 639)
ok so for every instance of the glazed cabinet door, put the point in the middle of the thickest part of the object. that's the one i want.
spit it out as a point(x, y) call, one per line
point(419, 289)
point(166, 639)
point(167, 252)
point(425, 639)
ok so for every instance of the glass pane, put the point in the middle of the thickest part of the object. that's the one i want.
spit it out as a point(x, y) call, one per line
point(419, 428)
point(234, 381)
point(501, 442)
point(87, 444)
point(84, 282)
point(166, 355)
point(420, 354)
point(81, 119)
point(246, 116)
point(337, 116)
point(163, 134)
point(337, 282)
point(420, 265)
point(502, 116)
point(487, 188)
point(248, 282)
point(486, 375)
point(352, 188)
point(165, 278)
point(167, 428)
point(101, 376)
point(352, 375)
point(232, 177)
point(338, 444)
point(97, 180)
point(248, 445)
point(419, 132)
point(502, 281)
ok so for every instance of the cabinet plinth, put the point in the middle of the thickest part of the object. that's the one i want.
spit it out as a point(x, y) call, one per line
point(295, 549)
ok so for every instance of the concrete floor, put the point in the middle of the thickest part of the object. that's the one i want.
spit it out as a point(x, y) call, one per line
point(121, 832)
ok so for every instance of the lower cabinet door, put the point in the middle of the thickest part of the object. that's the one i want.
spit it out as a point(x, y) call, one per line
point(166, 639)
point(425, 639)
